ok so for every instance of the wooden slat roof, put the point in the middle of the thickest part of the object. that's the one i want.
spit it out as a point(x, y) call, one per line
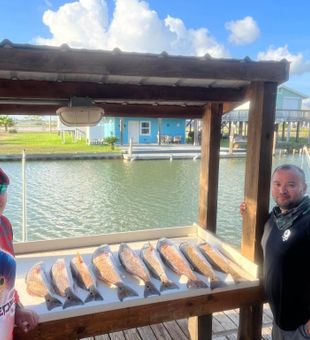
point(40, 79)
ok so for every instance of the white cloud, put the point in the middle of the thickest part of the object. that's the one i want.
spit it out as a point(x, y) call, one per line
point(193, 42)
point(298, 64)
point(79, 24)
point(242, 32)
point(134, 27)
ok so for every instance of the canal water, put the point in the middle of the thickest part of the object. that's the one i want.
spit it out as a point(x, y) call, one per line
point(88, 197)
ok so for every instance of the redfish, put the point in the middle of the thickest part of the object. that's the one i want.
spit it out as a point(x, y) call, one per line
point(62, 282)
point(153, 262)
point(106, 270)
point(177, 262)
point(37, 284)
point(135, 266)
point(200, 263)
point(84, 278)
point(223, 263)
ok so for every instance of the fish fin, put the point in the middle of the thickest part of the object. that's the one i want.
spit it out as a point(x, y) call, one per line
point(124, 291)
point(150, 289)
point(216, 283)
point(51, 301)
point(196, 284)
point(93, 295)
point(168, 285)
point(76, 277)
point(71, 299)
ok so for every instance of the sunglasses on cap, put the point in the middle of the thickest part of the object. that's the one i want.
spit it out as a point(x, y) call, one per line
point(3, 188)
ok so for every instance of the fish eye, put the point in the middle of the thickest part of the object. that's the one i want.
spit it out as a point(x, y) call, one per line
point(1, 280)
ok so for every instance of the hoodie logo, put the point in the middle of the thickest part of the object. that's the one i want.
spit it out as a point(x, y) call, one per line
point(286, 235)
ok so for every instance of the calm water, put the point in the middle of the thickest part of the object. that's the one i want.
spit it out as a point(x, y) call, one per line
point(75, 198)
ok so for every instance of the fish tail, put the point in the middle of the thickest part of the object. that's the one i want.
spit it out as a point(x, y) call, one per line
point(150, 289)
point(237, 278)
point(93, 295)
point(196, 284)
point(51, 302)
point(216, 283)
point(166, 285)
point(71, 299)
point(124, 291)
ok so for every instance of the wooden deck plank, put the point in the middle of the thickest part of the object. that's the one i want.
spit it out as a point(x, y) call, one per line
point(132, 334)
point(161, 332)
point(117, 336)
point(217, 327)
point(224, 321)
point(175, 331)
point(184, 326)
point(146, 332)
point(267, 315)
point(102, 337)
point(266, 333)
point(233, 315)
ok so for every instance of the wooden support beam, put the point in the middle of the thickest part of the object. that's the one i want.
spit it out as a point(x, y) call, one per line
point(250, 321)
point(108, 321)
point(258, 168)
point(257, 191)
point(200, 327)
point(210, 150)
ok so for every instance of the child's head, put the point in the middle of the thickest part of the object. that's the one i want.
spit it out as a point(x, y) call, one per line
point(4, 182)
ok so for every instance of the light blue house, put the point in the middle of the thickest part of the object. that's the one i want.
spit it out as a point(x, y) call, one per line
point(141, 130)
point(288, 108)
point(289, 99)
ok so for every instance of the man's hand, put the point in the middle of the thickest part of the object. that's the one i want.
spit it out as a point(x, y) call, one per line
point(307, 327)
point(243, 208)
point(25, 319)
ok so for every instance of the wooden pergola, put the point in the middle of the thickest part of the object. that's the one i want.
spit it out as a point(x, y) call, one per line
point(39, 80)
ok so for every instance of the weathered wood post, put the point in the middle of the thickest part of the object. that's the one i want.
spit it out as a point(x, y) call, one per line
point(257, 191)
point(200, 327)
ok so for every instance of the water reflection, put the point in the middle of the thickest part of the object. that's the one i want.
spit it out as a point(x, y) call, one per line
point(75, 198)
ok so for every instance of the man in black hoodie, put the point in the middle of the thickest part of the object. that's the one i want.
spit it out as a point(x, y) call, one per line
point(286, 248)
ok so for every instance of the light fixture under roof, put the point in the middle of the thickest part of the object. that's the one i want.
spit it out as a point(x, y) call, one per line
point(80, 112)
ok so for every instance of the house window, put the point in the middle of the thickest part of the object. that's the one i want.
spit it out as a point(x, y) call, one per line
point(145, 128)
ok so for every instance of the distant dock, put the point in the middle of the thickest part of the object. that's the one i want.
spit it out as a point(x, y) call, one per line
point(154, 152)
point(139, 152)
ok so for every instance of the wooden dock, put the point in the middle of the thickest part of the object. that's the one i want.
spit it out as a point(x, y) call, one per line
point(224, 327)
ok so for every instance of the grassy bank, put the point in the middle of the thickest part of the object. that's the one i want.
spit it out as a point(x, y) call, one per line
point(46, 142)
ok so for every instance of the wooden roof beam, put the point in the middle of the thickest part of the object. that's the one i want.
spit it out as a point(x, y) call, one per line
point(81, 63)
point(64, 90)
point(112, 110)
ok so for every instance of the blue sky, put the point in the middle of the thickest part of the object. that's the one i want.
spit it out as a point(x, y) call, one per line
point(261, 30)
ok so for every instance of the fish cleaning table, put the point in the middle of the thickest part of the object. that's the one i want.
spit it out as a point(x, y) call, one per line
point(99, 317)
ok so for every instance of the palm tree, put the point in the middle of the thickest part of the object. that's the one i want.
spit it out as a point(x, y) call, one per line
point(7, 122)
